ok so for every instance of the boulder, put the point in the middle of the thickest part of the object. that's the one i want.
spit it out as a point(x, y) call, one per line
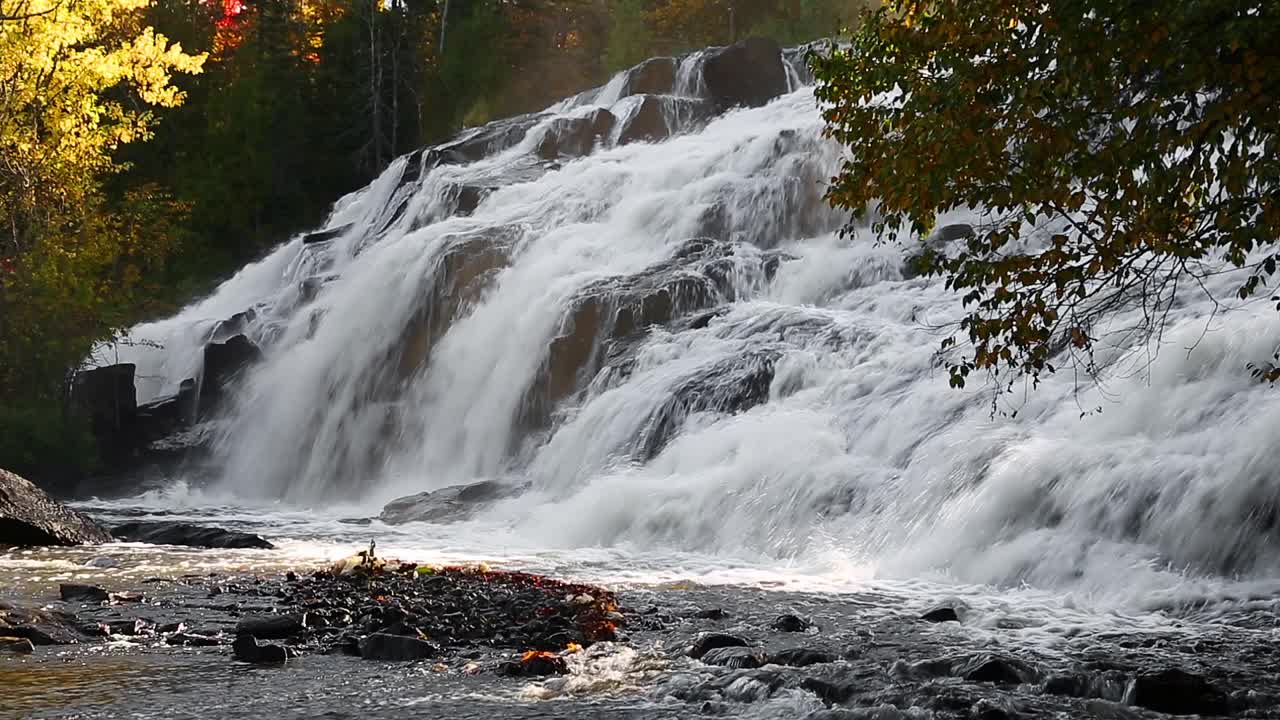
point(706, 642)
point(246, 649)
point(16, 646)
point(223, 361)
point(655, 76)
point(1177, 692)
point(180, 533)
point(396, 648)
point(748, 73)
point(735, 658)
point(576, 136)
point(30, 518)
point(647, 123)
point(449, 504)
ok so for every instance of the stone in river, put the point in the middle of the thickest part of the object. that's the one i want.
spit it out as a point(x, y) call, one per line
point(801, 657)
point(736, 658)
point(76, 592)
point(16, 646)
point(399, 648)
point(186, 534)
point(247, 649)
point(790, 623)
point(710, 641)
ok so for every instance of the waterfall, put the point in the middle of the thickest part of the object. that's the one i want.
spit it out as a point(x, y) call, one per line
point(638, 303)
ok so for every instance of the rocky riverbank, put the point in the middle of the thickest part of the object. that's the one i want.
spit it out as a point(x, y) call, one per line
point(372, 638)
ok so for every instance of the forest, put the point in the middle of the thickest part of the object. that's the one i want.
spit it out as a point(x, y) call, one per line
point(148, 148)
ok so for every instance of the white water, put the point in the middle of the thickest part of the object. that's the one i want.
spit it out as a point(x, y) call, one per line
point(863, 457)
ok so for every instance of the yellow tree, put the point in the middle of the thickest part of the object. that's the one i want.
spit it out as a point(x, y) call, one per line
point(78, 79)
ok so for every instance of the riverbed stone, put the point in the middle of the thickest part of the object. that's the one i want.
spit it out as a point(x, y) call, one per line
point(76, 592)
point(396, 648)
point(247, 649)
point(16, 646)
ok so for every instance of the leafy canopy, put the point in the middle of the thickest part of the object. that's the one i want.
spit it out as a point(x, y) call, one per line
point(78, 80)
point(1116, 151)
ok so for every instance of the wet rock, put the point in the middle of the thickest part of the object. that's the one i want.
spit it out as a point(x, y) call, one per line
point(469, 198)
point(322, 236)
point(356, 521)
point(801, 657)
point(397, 648)
point(707, 642)
point(247, 649)
point(790, 623)
point(748, 73)
point(951, 233)
point(75, 592)
point(30, 518)
point(223, 362)
point(108, 398)
point(271, 627)
point(186, 534)
point(576, 136)
point(477, 143)
point(16, 646)
point(193, 640)
point(655, 76)
point(996, 669)
point(710, 614)
point(829, 691)
point(647, 123)
point(1067, 685)
point(737, 658)
point(449, 504)
point(944, 612)
point(535, 664)
point(1177, 692)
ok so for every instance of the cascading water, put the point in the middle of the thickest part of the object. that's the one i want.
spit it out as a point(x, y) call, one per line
point(666, 338)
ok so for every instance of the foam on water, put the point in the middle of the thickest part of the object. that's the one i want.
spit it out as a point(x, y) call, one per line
point(863, 463)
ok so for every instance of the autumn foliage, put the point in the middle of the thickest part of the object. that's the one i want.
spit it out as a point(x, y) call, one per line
point(1117, 153)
